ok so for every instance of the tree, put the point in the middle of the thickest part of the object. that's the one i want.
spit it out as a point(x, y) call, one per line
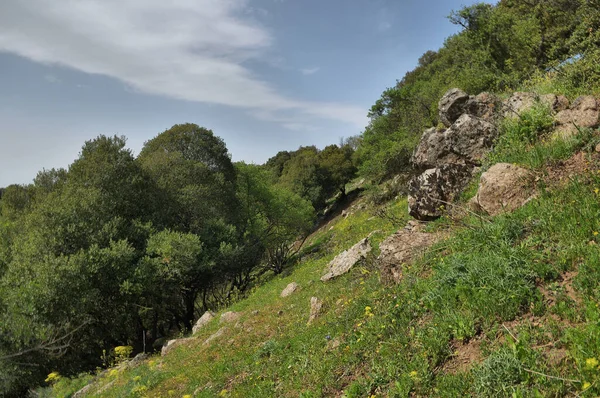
point(338, 166)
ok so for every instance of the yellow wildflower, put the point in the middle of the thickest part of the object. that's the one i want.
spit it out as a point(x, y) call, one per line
point(586, 385)
point(591, 363)
point(413, 375)
point(53, 377)
point(223, 393)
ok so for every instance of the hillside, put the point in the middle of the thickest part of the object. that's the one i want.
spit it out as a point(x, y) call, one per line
point(450, 249)
point(500, 306)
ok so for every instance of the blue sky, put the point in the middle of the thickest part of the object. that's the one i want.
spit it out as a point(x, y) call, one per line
point(264, 75)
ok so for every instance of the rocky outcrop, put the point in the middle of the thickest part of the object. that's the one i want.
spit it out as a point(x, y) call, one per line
point(316, 307)
point(467, 141)
point(344, 261)
point(203, 321)
point(556, 103)
point(518, 103)
point(452, 105)
point(484, 106)
point(289, 289)
point(400, 248)
point(503, 188)
point(584, 113)
point(433, 190)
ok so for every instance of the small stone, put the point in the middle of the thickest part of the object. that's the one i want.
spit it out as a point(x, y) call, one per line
point(289, 289)
point(215, 335)
point(316, 306)
point(171, 344)
point(203, 321)
point(344, 261)
point(230, 316)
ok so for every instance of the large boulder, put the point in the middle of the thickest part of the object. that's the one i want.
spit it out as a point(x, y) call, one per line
point(203, 321)
point(484, 106)
point(400, 248)
point(504, 188)
point(452, 105)
point(433, 190)
point(344, 261)
point(585, 112)
point(556, 103)
point(518, 103)
point(467, 141)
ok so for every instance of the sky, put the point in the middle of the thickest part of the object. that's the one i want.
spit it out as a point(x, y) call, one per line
point(264, 75)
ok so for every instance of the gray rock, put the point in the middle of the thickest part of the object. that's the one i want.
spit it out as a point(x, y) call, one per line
point(469, 139)
point(289, 289)
point(344, 261)
point(203, 321)
point(484, 106)
point(316, 307)
point(452, 105)
point(518, 103)
point(504, 188)
point(431, 192)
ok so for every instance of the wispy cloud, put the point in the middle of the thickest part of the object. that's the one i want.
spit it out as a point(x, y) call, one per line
point(310, 71)
point(383, 26)
point(51, 79)
point(193, 50)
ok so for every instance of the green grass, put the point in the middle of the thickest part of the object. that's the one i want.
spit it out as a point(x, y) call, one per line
point(497, 285)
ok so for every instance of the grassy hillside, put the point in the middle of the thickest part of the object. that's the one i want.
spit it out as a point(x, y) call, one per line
point(505, 306)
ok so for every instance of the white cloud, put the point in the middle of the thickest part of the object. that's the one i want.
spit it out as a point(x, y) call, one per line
point(51, 79)
point(309, 71)
point(185, 49)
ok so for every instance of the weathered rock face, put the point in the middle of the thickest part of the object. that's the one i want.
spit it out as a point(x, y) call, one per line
point(430, 192)
point(344, 261)
point(230, 316)
point(452, 105)
point(401, 248)
point(504, 188)
point(289, 289)
point(518, 103)
point(585, 112)
point(316, 307)
point(203, 321)
point(556, 103)
point(468, 140)
point(484, 106)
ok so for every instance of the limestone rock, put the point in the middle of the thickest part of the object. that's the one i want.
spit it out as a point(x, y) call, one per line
point(230, 316)
point(452, 105)
point(430, 192)
point(316, 307)
point(289, 289)
point(504, 188)
point(344, 261)
point(484, 106)
point(467, 141)
point(585, 112)
point(401, 248)
point(175, 343)
point(518, 103)
point(431, 149)
point(556, 103)
point(203, 321)
point(214, 336)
